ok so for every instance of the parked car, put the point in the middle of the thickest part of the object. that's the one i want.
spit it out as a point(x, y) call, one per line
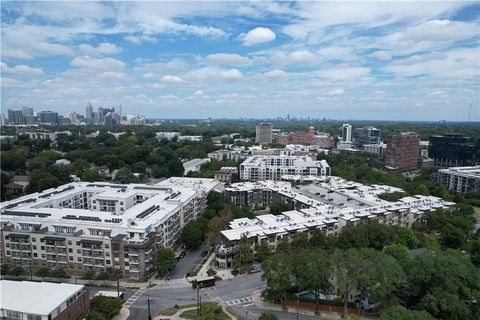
point(255, 270)
point(204, 253)
point(182, 254)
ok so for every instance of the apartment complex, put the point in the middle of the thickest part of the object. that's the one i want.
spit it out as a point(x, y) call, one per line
point(327, 204)
point(460, 179)
point(264, 133)
point(402, 152)
point(235, 154)
point(273, 167)
point(28, 300)
point(367, 135)
point(311, 137)
point(84, 226)
point(451, 149)
point(226, 174)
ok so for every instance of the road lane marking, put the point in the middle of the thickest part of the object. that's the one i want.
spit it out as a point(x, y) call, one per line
point(133, 298)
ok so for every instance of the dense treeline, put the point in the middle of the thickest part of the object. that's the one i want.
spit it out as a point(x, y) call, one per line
point(374, 261)
point(135, 156)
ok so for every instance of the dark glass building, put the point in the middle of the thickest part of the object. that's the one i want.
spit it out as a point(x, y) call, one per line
point(452, 149)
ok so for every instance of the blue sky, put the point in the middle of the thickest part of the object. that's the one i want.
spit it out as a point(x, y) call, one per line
point(342, 60)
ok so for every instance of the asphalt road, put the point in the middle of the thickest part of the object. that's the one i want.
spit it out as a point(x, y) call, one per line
point(234, 292)
point(186, 264)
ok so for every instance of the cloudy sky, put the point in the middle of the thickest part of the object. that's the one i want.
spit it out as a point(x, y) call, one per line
point(342, 60)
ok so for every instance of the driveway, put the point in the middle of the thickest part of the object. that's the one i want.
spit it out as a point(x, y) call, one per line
point(187, 264)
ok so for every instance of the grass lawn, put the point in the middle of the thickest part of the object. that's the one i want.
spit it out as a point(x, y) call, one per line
point(172, 310)
point(209, 311)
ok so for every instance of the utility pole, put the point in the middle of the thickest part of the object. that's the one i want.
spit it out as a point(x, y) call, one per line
point(297, 308)
point(149, 315)
point(118, 285)
point(198, 302)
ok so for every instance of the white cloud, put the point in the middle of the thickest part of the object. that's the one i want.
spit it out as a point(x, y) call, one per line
point(381, 55)
point(16, 54)
point(336, 92)
point(171, 79)
point(257, 36)
point(20, 70)
point(343, 72)
point(232, 74)
point(275, 74)
point(337, 53)
point(440, 30)
point(53, 49)
point(453, 63)
point(97, 64)
point(299, 57)
point(149, 75)
point(133, 39)
point(102, 48)
point(198, 93)
point(438, 93)
point(228, 59)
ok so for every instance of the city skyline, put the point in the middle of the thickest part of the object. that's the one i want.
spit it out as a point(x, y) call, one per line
point(374, 60)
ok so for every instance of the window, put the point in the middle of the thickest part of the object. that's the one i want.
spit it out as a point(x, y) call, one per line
point(14, 314)
point(79, 259)
point(70, 250)
point(34, 317)
point(42, 248)
point(34, 255)
point(34, 239)
point(107, 246)
point(70, 258)
point(70, 242)
point(34, 247)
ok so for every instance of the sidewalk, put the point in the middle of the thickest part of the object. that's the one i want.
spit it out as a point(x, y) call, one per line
point(123, 315)
point(261, 304)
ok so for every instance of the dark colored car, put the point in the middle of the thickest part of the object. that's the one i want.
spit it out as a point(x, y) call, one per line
point(182, 254)
point(204, 253)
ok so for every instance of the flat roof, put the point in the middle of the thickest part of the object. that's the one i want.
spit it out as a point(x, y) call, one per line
point(40, 298)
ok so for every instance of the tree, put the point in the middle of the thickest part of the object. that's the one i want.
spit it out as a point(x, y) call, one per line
point(405, 237)
point(312, 271)
point(267, 316)
point(193, 234)
point(43, 272)
point(124, 175)
point(262, 251)
point(401, 313)
point(278, 207)
point(215, 201)
point(299, 241)
point(164, 259)
point(91, 175)
point(374, 274)
point(175, 167)
point(277, 274)
point(107, 307)
point(243, 256)
point(474, 251)
point(397, 251)
point(443, 283)
point(320, 240)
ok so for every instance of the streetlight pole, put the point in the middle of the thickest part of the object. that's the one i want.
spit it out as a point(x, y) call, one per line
point(149, 315)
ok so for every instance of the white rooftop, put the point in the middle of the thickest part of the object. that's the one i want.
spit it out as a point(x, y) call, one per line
point(40, 298)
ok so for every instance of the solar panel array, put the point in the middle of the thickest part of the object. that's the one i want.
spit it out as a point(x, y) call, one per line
point(26, 214)
point(113, 220)
point(81, 218)
point(146, 212)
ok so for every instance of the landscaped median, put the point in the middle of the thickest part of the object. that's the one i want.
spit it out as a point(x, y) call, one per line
point(209, 311)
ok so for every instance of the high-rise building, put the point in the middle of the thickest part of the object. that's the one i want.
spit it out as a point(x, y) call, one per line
point(264, 133)
point(347, 133)
point(402, 152)
point(48, 117)
point(27, 111)
point(2, 119)
point(367, 135)
point(453, 149)
point(15, 116)
point(30, 120)
point(88, 113)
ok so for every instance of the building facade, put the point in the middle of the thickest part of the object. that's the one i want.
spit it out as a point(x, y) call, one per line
point(99, 226)
point(368, 135)
point(346, 133)
point(402, 152)
point(263, 133)
point(460, 179)
point(452, 149)
point(48, 117)
point(15, 117)
point(28, 300)
point(273, 167)
point(327, 204)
